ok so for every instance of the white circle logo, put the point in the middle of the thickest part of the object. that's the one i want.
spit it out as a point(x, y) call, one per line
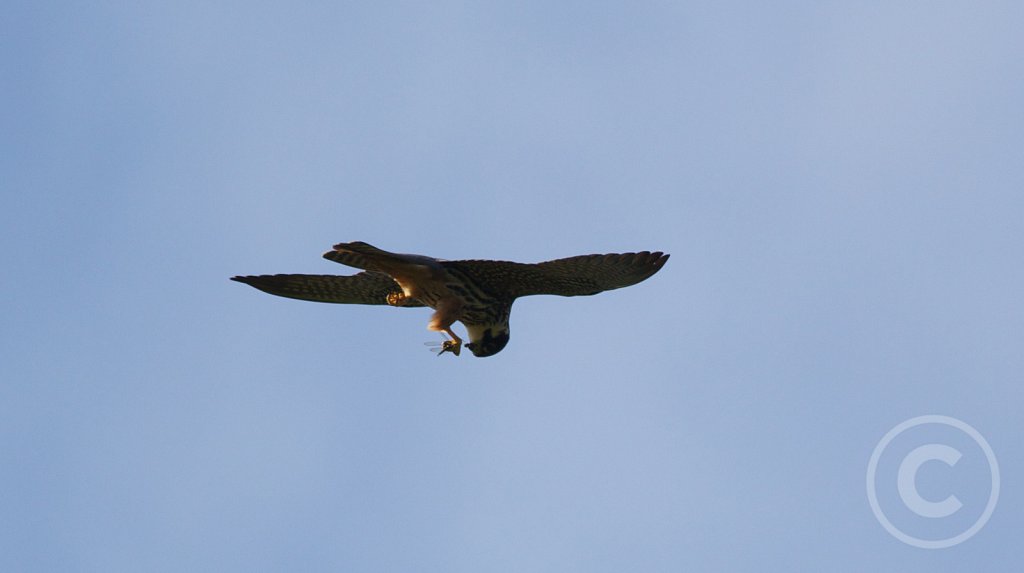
point(937, 521)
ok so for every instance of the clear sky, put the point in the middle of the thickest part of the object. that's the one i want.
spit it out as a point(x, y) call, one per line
point(840, 185)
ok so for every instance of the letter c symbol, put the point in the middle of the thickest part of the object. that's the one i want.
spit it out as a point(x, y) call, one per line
point(907, 481)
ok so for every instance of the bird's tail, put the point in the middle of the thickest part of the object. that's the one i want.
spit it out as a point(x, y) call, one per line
point(361, 256)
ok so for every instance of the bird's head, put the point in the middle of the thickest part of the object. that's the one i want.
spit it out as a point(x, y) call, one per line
point(487, 339)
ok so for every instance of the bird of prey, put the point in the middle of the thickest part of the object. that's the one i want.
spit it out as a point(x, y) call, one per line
point(477, 293)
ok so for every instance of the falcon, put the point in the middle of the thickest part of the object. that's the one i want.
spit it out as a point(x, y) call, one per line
point(477, 293)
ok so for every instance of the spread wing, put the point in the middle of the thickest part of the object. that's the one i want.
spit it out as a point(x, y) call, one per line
point(573, 276)
point(363, 288)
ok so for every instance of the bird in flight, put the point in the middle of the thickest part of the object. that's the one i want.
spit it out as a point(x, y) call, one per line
point(477, 293)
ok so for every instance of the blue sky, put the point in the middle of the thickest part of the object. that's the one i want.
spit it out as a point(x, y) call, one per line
point(839, 186)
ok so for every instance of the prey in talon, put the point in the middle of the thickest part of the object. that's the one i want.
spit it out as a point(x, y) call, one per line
point(442, 346)
point(450, 346)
